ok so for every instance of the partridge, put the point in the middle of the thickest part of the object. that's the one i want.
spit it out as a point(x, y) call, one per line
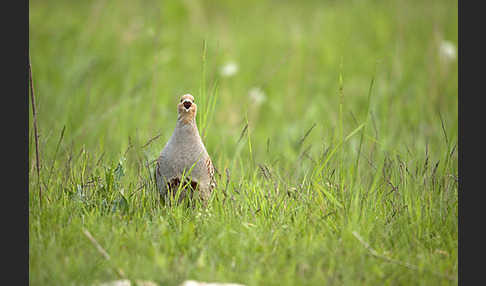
point(186, 154)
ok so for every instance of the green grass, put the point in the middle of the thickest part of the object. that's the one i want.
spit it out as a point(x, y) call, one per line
point(356, 140)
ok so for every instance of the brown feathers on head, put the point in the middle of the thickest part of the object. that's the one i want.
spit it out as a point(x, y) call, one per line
point(187, 109)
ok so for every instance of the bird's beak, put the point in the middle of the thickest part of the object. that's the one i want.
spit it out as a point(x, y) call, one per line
point(187, 104)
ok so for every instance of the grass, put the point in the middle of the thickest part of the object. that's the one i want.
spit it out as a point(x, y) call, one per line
point(345, 175)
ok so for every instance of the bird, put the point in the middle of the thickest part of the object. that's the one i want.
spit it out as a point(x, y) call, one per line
point(184, 159)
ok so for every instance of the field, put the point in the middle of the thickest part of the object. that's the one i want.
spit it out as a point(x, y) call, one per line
point(333, 127)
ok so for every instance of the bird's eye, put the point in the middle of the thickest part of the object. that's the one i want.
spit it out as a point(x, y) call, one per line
point(181, 100)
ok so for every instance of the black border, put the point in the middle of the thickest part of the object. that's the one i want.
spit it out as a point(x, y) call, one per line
point(14, 117)
point(471, 121)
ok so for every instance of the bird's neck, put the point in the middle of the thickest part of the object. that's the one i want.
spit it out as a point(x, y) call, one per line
point(187, 129)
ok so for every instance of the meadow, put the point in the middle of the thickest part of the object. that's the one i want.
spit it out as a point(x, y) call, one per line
point(333, 127)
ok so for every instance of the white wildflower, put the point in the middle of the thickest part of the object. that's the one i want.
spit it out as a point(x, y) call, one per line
point(447, 51)
point(124, 282)
point(257, 95)
point(229, 69)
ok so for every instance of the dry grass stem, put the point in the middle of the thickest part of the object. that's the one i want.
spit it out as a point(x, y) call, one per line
point(102, 251)
point(36, 134)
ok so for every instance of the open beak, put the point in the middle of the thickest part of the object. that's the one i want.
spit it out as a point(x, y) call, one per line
point(187, 104)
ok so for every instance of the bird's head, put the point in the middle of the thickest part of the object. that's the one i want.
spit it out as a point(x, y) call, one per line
point(187, 109)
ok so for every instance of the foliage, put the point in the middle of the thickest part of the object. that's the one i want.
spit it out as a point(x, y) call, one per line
point(354, 131)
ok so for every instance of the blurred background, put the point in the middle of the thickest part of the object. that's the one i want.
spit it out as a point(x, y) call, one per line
point(113, 71)
point(289, 81)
